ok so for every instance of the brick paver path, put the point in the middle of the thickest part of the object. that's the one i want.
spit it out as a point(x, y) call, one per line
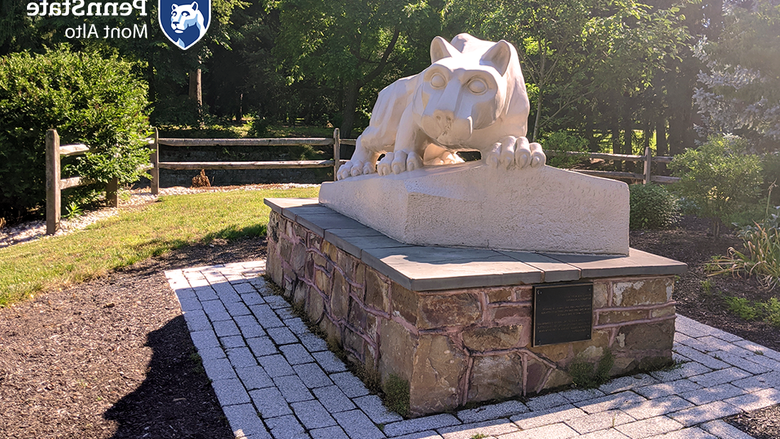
point(275, 379)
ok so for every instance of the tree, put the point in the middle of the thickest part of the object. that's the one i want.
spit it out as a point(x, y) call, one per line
point(741, 91)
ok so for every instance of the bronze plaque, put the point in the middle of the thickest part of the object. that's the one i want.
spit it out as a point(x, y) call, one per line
point(562, 313)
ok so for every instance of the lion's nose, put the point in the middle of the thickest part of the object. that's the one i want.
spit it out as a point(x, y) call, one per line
point(444, 117)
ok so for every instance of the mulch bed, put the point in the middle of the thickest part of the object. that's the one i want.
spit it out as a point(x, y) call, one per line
point(112, 358)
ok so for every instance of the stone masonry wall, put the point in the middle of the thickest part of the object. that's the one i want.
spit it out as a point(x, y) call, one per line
point(460, 346)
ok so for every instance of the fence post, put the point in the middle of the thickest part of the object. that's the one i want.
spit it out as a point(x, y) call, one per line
point(648, 164)
point(112, 192)
point(336, 153)
point(53, 195)
point(154, 157)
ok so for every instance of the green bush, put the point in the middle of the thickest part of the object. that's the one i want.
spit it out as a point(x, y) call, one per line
point(560, 141)
point(652, 207)
point(90, 99)
point(720, 177)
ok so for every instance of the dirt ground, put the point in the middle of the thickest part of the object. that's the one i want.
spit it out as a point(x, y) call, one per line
point(112, 358)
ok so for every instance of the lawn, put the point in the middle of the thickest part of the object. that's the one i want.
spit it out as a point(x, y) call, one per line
point(133, 236)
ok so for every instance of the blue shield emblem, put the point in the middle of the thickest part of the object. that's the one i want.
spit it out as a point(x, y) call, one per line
point(184, 22)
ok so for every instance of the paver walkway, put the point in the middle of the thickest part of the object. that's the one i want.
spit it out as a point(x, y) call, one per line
point(275, 379)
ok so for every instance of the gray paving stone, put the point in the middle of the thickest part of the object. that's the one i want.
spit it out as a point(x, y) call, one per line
point(225, 291)
point(244, 288)
point(333, 399)
point(715, 393)
point(649, 427)
point(349, 384)
point(252, 298)
point(296, 325)
point(546, 417)
point(667, 388)
point(281, 335)
point(763, 360)
point(312, 375)
point(262, 346)
point(233, 341)
point(269, 402)
point(249, 326)
point(312, 343)
point(215, 310)
point(328, 433)
point(704, 413)
point(277, 302)
point(758, 349)
point(723, 430)
point(430, 434)
point(284, 314)
point(241, 357)
point(718, 344)
point(292, 388)
point(188, 300)
point(491, 428)
point(576, 395)
point(230, 392)
point(615, 401)
point(691, 327)
point(420, 424)
point(229, 296)
point(266, 316)
point(373, 407)
point(684, 370)
point(758, 382)
point(720, 377)
point(275, 365)
point(545, 402)
point(560, 431)
point(219, 369)
point(357, 425)
point(296, 354)
point(211, 353)
point(205, 293)
point(197, 321)
point(741, 362)
point(492, 411)
point(286, 427)
point(604, 434)
point(254, 377)
point(704, 359)
point(686, 433)
point(312, 414)
point(756, 400)
point(627, 383)
point(226, 328)
point(329, 362)
point(204, 339)
point(657, 407)
point(699, 345)
point(244, 421)
point(599, 421)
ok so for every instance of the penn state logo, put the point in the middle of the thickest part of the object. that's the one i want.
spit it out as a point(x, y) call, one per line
point(184, 22)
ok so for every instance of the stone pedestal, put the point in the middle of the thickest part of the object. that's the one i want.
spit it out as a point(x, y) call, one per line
point(455, 323)
point(474, 205)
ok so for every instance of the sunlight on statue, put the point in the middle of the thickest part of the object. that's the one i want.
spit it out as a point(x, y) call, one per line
point(472, 97)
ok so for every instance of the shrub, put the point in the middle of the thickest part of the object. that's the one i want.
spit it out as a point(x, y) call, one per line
point(719, 177)
point(557, 142)
point(90, 99)
point(652, 207)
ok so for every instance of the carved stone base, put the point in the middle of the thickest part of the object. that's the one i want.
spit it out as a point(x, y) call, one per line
point(473, 205)
point(456, 324)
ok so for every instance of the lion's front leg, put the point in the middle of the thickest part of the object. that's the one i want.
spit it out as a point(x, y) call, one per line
point(515, 152)
point(410, 143)
point(363, 162)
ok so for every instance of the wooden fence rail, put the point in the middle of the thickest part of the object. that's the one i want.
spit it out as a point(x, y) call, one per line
point(54, 184)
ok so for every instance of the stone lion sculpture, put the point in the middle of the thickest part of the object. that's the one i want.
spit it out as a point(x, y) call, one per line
point(472, 97)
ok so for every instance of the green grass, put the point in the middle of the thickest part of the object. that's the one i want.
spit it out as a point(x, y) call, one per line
point(133, 236)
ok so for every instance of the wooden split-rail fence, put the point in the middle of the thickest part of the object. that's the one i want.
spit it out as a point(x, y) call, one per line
point(55, 184)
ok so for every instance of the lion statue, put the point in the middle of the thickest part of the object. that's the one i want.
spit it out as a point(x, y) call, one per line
point(472, 97)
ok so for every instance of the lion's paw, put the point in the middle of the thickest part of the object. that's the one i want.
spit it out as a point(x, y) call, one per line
point(515, 152)
point(398, 162)
point(353, 168)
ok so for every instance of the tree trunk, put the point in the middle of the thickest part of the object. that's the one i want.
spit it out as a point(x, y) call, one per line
point(350, 105)
point(196, 93)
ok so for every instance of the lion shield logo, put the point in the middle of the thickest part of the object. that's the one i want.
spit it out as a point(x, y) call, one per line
point(184, 22)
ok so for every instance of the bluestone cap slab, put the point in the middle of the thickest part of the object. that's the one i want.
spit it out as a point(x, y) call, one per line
point(423, 268)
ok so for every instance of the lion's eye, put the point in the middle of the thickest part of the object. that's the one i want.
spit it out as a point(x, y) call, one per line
point(438, 80)
point(477, 86)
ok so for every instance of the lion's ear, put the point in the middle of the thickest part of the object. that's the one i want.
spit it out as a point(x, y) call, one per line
point(440, 48)
point(499, 56)
point(194, 6)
